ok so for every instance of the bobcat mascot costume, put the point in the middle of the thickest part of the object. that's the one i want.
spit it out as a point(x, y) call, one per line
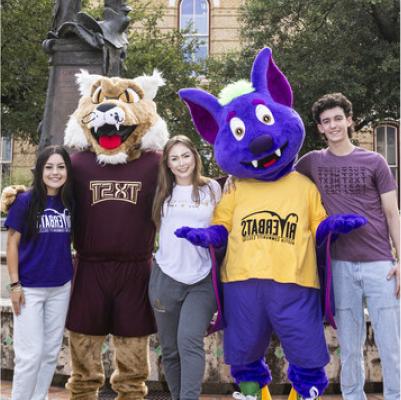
point(119, 133)
point(119, 136)
point(272, 222)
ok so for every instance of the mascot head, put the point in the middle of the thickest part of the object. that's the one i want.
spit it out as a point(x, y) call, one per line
point(116, 118)
point(254, 129)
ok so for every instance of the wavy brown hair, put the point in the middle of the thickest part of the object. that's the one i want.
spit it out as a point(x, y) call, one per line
point(329, 101)
point(166, 179)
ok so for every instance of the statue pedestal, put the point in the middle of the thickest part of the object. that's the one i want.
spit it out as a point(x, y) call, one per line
point(67, 57)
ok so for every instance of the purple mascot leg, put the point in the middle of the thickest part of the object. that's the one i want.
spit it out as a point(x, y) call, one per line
point(257, 371)
point(308, 382)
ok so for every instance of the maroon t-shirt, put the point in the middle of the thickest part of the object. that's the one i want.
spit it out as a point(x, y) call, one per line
point(114, 206)
point(352, 184)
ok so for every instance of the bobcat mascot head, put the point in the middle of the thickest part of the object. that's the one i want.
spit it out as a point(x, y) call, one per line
point(116, 118)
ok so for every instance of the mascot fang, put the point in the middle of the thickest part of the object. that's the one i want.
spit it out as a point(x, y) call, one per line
point(119, 133)
point(271, 222)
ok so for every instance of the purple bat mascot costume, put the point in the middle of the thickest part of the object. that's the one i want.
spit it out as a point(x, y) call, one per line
point(272, 221)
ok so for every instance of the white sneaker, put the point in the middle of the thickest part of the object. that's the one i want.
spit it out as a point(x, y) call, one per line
point(240, 396)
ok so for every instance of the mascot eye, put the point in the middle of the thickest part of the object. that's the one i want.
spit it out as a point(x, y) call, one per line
point(237, 127)
point(264, 115)
point(129, 96)
point(97, 96)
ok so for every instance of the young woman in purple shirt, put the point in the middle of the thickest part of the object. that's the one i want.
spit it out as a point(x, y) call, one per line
point(40, 268)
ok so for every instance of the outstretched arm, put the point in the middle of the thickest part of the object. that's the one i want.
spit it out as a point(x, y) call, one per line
point(338, 224)
point(215, 235)
point(327, 232)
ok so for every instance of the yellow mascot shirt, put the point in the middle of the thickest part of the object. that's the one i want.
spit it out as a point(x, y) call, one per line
point(272, 229)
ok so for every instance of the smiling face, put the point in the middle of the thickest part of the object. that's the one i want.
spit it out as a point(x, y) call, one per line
point(181, 162)
point(54, 174)
point(260, 138)
point(334, 125)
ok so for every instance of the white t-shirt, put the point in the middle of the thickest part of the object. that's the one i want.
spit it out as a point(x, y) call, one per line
point(177, 257)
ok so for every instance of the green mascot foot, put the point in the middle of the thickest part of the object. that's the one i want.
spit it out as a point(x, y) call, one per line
point(252, 391)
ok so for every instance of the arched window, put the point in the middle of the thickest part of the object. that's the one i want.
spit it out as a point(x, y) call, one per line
point(387, 145)
point(195, 14)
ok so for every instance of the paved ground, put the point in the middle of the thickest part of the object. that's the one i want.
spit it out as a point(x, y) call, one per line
point(57, 393)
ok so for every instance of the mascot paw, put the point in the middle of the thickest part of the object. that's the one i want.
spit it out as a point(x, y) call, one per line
point(215, 235)
point(345, 223)
point(197, 236)
point(338, 224)
point(9, 194)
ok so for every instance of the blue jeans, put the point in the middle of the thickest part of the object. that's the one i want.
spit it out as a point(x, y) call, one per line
point(354, 284)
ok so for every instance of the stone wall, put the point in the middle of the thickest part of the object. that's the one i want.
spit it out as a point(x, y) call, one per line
point(217, 375)
point(23, 159)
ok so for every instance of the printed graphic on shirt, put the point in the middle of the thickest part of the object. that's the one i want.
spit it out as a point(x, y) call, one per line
point(187, 204)
point(115, 190)
point(269, 225)
point(55, 221)
point(343, 180)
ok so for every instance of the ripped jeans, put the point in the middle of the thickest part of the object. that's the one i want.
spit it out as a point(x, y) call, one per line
point(356, 284)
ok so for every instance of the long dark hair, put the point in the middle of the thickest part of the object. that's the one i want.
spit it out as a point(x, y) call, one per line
point(39, 190)
point(166, 179)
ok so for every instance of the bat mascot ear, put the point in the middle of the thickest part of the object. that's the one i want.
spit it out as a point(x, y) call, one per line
point(267, 77)
point(205, 112)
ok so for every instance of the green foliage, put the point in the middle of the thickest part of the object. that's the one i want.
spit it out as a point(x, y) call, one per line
point(24, 25)
point(24, 66)
point(348, 46)
point(151, 48)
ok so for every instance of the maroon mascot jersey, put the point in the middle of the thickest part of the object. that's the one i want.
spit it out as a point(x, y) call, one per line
point(114, 205)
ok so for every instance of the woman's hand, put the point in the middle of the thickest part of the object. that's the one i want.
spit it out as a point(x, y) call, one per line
point(17, 300)
point(229, 185)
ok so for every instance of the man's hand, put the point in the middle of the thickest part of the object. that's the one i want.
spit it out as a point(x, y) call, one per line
point(395, 272)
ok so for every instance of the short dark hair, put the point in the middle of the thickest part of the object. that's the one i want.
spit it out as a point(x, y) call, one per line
point(332, 100)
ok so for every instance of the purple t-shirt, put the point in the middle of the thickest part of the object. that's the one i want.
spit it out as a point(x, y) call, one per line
point(44, 260)
point(352, 184)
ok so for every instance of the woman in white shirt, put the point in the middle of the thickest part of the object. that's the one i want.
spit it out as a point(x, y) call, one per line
point(180, 288)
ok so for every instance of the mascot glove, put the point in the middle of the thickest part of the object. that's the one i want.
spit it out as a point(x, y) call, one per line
point(215, 235)
point(339, 224)
point(8, 196)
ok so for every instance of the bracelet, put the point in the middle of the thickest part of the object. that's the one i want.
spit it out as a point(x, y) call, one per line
point(14, 288)
point(15, 284)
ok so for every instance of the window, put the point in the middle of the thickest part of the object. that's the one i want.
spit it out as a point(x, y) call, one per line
point(387, 145)
point(6, 149)
point(195, 15)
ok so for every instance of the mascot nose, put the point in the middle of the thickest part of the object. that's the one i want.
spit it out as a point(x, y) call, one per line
point(261, 144)
point(105, 107)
